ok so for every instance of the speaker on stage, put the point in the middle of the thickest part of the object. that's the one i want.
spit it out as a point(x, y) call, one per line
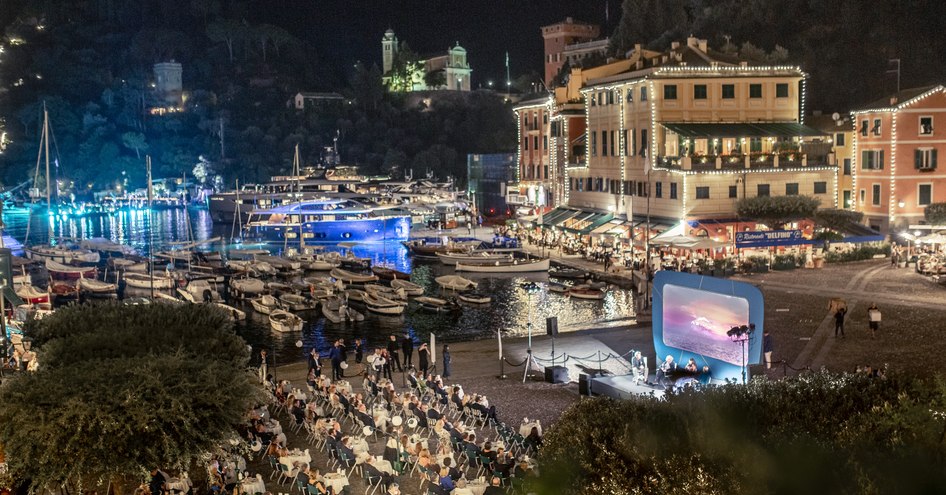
point(551, 326)
point(556, 374)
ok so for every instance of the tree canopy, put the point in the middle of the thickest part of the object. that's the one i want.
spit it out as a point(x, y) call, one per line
point(935, 214)
point(816, 433)
point(122, 390)
point(776, 211)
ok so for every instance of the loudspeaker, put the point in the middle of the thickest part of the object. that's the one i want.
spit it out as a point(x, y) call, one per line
point(556, 374)
point(551, 326)
point(584, 384)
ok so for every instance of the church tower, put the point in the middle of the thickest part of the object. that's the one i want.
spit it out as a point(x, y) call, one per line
point(458, 69)
point(388, 51)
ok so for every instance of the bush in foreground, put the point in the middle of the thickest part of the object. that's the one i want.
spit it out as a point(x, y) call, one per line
point(818, 433)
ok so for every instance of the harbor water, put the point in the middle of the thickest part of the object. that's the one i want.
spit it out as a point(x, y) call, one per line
point(511, 310)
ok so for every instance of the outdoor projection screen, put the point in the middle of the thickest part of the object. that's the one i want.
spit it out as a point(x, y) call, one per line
point(692, 314)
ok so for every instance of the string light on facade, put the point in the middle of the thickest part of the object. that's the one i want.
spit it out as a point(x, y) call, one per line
point(893, 169)
point(854, 192)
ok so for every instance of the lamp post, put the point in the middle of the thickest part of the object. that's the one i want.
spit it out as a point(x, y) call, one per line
point(530, 288)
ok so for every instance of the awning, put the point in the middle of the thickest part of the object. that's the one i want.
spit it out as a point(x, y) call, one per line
point(585, 224)
point(613, 226)
point(558, 216)
point(865, 238)
point(733, 130)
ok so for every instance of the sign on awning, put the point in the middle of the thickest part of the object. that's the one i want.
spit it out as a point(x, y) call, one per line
point(765, 238)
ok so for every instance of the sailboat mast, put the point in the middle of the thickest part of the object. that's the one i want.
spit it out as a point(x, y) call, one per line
point(49, 204)
point(150, 225)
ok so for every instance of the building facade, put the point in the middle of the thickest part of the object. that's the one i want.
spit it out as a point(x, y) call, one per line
point(558, 37)
point(896, 144)
point(681, 136)
point(838, 139)
point(488, 176)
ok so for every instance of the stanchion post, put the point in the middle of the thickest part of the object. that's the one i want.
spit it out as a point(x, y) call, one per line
point(599, 361)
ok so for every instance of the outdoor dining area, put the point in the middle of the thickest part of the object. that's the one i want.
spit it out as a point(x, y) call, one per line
point(324, 436)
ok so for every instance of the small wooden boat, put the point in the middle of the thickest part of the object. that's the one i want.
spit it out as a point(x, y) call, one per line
point(145, 281)
point(455, 282)
point(166, 298)
point(586, 293)
point(475, 297)
point(355, 295)
point(235, 314)
point(63, 290)
point(32, 295)
point(58, 271)
point(247, 287)
point(200, 291)
point(337, 311)
point(121, 263)
point(515, 266)
point(96, 287)
point(62, 254)
point(245, 254)
point(409, 288)
point(284, 321)
point(107, 246)
point(278, 287)
point(569, 273)
point(265, 304)
point(278, 263)
point(385, 273)
point(558, 288)
point(383, 306)
point(474, 258)
point(437, 305)
point(350, 277)
point(296, 302)
point(386, 292)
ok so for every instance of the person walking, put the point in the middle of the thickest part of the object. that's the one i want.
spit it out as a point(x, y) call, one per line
point(839, 321)
point(315, 361)
point(767, 349)
point(407, 347)
point(393, 358)
point(873, 319)
point(423, 356)
point(387, 365)
point(446, 361)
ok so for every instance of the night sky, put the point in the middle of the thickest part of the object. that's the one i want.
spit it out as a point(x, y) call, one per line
point(350, 30)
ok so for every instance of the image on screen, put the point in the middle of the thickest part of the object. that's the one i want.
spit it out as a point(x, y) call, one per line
point(697, 321)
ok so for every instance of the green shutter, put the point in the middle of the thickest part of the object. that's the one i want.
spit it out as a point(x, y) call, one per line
point(917, 158)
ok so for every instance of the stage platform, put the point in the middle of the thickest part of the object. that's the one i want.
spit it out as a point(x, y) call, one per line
point(622, 387)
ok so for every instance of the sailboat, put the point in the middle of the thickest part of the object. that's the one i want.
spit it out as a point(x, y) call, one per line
point(60, 254)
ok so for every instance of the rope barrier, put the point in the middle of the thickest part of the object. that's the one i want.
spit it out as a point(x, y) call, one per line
point(515, 365)
point(553, 359)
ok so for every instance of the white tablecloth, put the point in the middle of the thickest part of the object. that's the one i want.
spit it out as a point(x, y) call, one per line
point(380, 415)
point(475, 488)
point(290, 460)
point(498, 444)
point(274, 427)
point(255, 485)
point(383, 465)
point(359, 446)
point(526, 428)
point(336, 481)
point(343, 385)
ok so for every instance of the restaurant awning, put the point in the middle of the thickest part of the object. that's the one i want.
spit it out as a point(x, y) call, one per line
point(734, 130)
point(613, 226)
point(558, 216)
point(585, 224)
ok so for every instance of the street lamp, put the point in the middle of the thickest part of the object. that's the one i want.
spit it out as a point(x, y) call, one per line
point(530, 288)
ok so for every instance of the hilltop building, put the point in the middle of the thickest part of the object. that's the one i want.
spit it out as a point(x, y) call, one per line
point(450, 71)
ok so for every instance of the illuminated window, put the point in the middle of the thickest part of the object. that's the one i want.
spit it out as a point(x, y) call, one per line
point(926, 126)
point(670, 91)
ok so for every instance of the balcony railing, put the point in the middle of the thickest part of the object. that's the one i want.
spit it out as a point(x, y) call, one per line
point(742, 162)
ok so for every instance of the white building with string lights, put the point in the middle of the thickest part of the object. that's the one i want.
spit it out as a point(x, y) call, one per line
point(680, 136)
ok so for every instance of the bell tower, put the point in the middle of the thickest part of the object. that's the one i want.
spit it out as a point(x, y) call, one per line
point(388, 51)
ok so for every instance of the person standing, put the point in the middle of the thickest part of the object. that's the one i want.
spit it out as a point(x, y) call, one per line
point(446, 361)
point(767, 349)
point(393, 358)
point(407, 347)
point(359, 351)
point(336, 356)
point(315, 361)
point(839, 321)
point(873, 318)
point(423, 356)
point(386, 367)
point(263, 366)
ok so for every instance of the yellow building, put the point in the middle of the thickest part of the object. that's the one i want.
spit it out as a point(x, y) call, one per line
point(839, 138)
point(678, 137)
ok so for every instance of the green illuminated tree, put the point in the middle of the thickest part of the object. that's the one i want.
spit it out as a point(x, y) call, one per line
point(935, 214)
point(776, 211)
point(122, 390)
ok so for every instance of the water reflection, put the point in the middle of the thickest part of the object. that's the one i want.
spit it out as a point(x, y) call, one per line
point(509, 310)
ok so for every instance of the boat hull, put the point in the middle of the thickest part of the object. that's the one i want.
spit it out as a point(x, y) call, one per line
point(517, 267)
point(332, 232)
point(145, 283)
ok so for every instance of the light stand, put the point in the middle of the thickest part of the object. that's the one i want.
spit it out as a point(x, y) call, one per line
point(742, 335)
point(530, 288)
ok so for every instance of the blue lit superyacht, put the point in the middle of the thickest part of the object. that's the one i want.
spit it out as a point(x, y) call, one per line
point(327, 221)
